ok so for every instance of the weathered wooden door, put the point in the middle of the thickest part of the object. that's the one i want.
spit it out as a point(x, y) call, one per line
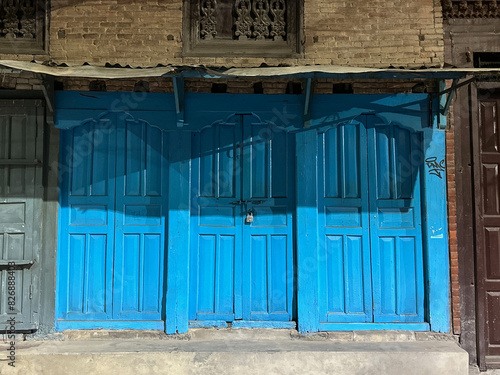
point(487, 191)
point(370, 247)
point(21, 151)
point(112, 225)
point(242, 242)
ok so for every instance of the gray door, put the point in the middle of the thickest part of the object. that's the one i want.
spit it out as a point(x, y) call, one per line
point(21, 151)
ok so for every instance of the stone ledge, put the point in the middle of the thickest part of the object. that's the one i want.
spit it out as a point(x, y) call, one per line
point(264, 357)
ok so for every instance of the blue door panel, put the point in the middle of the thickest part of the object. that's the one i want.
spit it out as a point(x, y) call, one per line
point(369, 212)
point(206, 273)
point(87, 214)
point(268, 188)
point(395, 226)
point(242, 270)
point(141, 202)
point(113, 208)
point(214, 283)
point(345, 270)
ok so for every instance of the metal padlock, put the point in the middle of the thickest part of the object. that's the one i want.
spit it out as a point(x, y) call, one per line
point(249, 218)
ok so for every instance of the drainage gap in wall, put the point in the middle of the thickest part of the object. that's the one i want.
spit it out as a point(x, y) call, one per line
point(258, 88)
point(97, 85)
point(219, 88)
point(342, 88)
point(141, 86)
point(294, 88)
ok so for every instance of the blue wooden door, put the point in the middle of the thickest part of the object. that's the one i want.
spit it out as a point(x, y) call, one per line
point(370, 223)
point(242, 268)
point(141, 209)
point(87, 216)
point(395, 222)
point(345, 272)
point(112, 221)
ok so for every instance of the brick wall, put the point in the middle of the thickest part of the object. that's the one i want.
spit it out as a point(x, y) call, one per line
point(374, 86)
point(452, 221)
point(376, 33)
point(252, 86)
point(156, 84)
point(20, 81)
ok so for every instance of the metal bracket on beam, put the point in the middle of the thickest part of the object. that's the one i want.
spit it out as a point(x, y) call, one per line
point(178, 83)
point(307, 103)
point(451, 93)
point(48, 93)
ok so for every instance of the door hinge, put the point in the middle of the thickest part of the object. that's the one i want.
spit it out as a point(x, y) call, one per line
point(31, 292)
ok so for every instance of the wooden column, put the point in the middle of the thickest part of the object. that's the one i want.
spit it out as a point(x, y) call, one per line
point(307, 231)
point(178, 233)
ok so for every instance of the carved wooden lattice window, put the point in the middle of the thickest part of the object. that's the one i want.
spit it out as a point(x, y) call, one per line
point(22, 24)
point(471, 8)
point(249, 27)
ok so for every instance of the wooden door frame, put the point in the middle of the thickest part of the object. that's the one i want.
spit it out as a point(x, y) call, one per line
point(478, 225)
point(465, 218)
point(479, 269)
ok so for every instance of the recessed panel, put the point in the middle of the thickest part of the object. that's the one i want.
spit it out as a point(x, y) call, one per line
point(76, 276)
point(351, 161)
point(493, 312)
point(88, 215)
point(388, 275)
point(334, 257)
point(134, 155)
point(15, 246)
point(277, 270)
point(12, 213)
point(395, 218)
point(383, 163)
point(343, 216)
point(331, 163)
point(151, 264)
point(154, 178)
point(96, 276)
point(269, 216)
point(489, 129)
point(131, 254)
point(217, 216)
point(279, 165)
point(258, 272)
point(406, 276)
point(492, 249)
point(353, 271)
point(259, 163)
point(206, 273)
point(225, 275)
point(491, 189)
point(142, 215)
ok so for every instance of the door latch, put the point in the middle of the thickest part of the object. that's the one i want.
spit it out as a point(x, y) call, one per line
point(249, 218)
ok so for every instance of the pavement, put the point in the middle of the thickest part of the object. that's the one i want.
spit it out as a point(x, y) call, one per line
point(474, 370)
point(238, 351)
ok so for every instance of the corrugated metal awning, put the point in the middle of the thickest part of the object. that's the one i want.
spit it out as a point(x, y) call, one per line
point(86, 71)
point(316, 71)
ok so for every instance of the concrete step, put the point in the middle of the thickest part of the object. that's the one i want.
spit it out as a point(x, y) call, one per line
point(206, 353)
